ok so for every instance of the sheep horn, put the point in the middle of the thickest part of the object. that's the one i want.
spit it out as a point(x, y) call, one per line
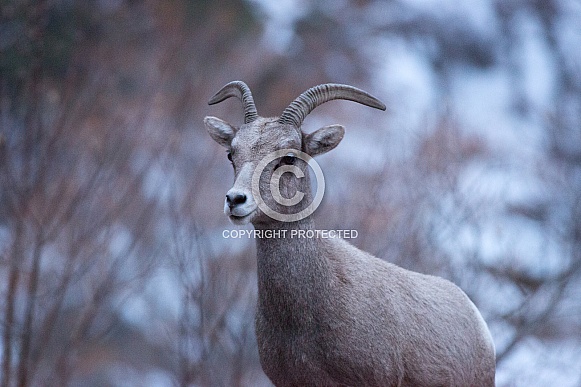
point(241, 91)
point(296, 112)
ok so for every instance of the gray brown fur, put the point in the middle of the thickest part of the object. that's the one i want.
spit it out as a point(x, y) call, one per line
point(330, 314)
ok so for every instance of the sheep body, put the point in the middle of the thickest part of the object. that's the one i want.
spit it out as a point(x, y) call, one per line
point(371, 323)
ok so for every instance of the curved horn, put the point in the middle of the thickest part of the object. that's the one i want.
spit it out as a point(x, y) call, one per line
point(296, 112)
point(241, 91)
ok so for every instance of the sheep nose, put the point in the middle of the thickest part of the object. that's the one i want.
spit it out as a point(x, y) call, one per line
point(235, 198)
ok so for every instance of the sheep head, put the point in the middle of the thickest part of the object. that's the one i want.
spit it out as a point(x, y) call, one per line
point(259, 138)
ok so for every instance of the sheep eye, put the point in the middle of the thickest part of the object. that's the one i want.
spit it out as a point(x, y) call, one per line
point(289, 159)
point(230, 156)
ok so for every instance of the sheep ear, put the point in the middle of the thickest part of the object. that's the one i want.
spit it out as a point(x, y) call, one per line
point(323, 140)
point(221, 131)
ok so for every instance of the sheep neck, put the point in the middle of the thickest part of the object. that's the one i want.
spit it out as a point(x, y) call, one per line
point(293, 276)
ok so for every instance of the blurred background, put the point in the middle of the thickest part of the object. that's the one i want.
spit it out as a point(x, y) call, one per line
point(113, 267)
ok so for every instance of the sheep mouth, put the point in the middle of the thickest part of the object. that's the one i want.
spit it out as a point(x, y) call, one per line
point(241, 219)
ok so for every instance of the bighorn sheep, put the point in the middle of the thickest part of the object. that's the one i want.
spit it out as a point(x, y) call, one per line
point(328, 313)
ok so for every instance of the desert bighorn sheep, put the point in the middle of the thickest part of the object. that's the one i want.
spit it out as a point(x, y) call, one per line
point(328, 313)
